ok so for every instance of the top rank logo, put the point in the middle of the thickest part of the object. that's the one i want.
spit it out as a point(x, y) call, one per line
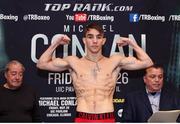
point(134, 17)
point(80, 7)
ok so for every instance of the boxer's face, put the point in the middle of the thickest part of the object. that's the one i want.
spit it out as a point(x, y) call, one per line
point(94, 41)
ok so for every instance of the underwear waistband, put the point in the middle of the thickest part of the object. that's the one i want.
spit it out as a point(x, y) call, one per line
point(91, 116)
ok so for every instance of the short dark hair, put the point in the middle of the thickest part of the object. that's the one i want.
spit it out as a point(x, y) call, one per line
point(93, 26)
point(154, 66)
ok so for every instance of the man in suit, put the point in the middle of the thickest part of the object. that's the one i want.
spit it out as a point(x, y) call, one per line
point(156, 96)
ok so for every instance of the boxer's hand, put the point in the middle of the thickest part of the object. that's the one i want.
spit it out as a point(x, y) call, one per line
point(61, 39)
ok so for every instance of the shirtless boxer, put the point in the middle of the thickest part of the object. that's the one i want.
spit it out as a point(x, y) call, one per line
point(94, 75)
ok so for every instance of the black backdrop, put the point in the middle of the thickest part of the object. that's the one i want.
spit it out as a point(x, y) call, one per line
point(27, 28)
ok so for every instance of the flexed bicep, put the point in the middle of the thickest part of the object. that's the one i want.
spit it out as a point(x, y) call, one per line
point(142, 60)
point(131, 63)
point(47, 61)
point(56, 64)
point(59, 64)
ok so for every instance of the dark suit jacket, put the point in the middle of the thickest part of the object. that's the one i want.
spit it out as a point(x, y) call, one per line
point(137, 106)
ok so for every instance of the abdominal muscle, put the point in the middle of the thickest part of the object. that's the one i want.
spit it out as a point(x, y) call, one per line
point(95, 99)
point(94, 91)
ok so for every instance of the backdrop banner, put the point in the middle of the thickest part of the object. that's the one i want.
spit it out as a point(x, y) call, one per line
point(27, 28)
